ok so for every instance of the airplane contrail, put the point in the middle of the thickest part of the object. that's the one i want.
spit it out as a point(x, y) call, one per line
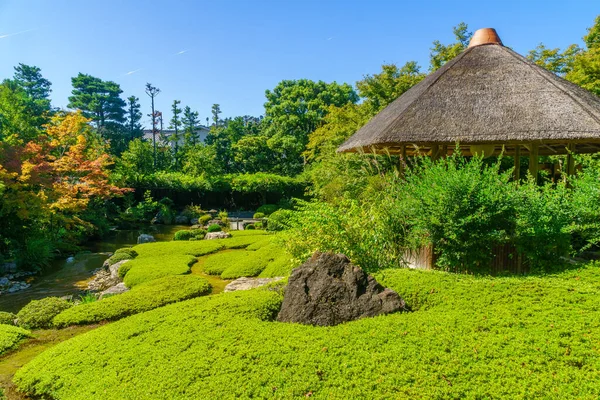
point(17, 33)
point(133, 72)
point(181, 52)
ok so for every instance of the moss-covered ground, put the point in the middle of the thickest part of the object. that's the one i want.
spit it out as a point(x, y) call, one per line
point(467, 337)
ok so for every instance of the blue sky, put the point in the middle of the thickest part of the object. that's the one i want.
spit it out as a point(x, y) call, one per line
point(230, 52)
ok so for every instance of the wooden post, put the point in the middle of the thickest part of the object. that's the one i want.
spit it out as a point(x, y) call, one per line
point(435, 152)
point(517, 171)
point(534, 161)
point(402, 166)
point(444, 152)
point(570, 159)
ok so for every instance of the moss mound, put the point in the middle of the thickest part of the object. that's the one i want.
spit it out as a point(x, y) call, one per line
point(469, 337)
point(143, 297)
point(39, 313)
point(11, 336)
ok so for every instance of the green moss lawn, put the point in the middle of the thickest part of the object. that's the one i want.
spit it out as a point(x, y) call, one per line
point(467, 337)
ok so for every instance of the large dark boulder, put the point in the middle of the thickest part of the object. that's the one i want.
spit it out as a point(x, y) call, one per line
point(328, 290)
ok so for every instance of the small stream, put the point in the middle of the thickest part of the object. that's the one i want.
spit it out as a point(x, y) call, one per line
point(65, 279)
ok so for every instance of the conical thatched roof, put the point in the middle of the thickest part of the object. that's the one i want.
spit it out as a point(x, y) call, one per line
point(486, 95)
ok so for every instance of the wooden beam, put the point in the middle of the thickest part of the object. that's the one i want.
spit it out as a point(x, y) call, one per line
point(534, 161)
point(402, 166)
point(570, 159)
point(444, 151)
point(517, 170)
point(435, 152)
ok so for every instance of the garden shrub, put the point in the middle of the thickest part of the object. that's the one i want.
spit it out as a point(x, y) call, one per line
point(249, 227)
point(258, 225)
point(39, 313)
point(10, 337)
point(115, 258)
point(279, 220)
point(258, 215)
point(143, 270)
point(127, 250)
point(267, 209)
point(7, 318)
point(35, 255)
point(235, 264)
point(123, 269)
point(143, 297)
point(192, 211)
point(214, 228)
point(204, 219)
point(189, 234)
point(469, 337)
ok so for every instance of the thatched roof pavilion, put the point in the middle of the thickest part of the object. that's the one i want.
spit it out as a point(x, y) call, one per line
point(488, 99)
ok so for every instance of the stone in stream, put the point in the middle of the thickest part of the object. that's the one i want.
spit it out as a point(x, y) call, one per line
point(217, 235)
point(328, 290)
point(244, 283)
point(144, 238)
point(116, 289)
point(106, 277)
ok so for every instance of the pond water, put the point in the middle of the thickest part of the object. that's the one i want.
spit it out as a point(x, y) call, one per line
point(65, 279)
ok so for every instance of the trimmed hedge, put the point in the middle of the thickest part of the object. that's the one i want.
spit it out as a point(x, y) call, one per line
point(39, 313)
point(469, 337)
point(7, 318)
point(214, 228)
point(189, 234)
point(127, 250)
point(144, 297)
point(117, 257)
point(11, 336)
point(235, 264)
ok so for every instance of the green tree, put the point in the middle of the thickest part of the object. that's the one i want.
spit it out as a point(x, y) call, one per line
point(441, 54)
point(18, 119)
point(586, 64)
point(216, 111)
point(137, 161)
point(381, 89)
point(190, 123)
point(134, 116)
point(554, 60)
point(201, 160)
point(293, 110)
point(99, 100)
point(175, 124)
point(34, 84)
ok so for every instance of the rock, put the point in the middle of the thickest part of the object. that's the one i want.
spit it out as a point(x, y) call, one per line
point(70, 260)
point(196, 227)
point(4, 281)
point(217, 235)
point(114, 269)
point(116, 289)
point(182, 220)
point(194, 221)
point(249, 283)
point(103, 280)
point(215, 222)
point(144, 238)
point(328, 290)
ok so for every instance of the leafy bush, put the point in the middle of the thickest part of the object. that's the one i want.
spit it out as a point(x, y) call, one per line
point(144, 297)
point(214, 228)
point(127, 250)
point(258, 225)
point(117, 257)
point(39, 313)
point(258, 215)
point(204, 219)
point(11, 336)
point(193, 211)
point(470, 337)
point(266, 209)
point(279, 220)
point(249, 227)
point(7, 318)
point(188, 234)
point(235, 264)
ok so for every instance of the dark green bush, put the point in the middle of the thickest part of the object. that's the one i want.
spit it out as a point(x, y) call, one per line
point(144, 297)
point(258, 215)
point(185, 234)
point(267, 209)
point(115, 258)
point(214, 228)
point(258, 225)
point(39, 313)
point(249, 227)
point(7, 318)
point(204, 219)
point(35, 255)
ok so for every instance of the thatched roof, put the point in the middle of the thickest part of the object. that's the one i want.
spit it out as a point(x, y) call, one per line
point(486, 95)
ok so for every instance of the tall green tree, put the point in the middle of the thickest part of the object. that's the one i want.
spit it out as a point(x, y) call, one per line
point(190, 123)
point(440, 54)
point(559, 62)
point(34, 84)
point(175, 124)
point(293, 110)
point(98, 100)
point(134, 117)
point(18, 120)
point(586, 64)
point(216, 111)
point(381, 89)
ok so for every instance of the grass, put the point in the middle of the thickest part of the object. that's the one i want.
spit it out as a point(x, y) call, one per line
point(159, 259)
point(11, 336)
point(143, 297)
point(468, 337)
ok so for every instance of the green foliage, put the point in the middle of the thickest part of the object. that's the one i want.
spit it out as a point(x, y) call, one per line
point(267, 209)
point(553, 59)
point(7, 318)
point(35, 255)
point(468, 337)
point(127, 250)
point(11, 336)
point(279, 220)
point(88, 297)
point(214, 228)
point(258, 215)
point(144, 297)
point(249, 227)
point(201, 160)
point(188, 234)
point(117, 257)
point(204, 219)
point(39, 313)
point(441, 54)
point(160, 259)
point(235, 264)
point(193, 211)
